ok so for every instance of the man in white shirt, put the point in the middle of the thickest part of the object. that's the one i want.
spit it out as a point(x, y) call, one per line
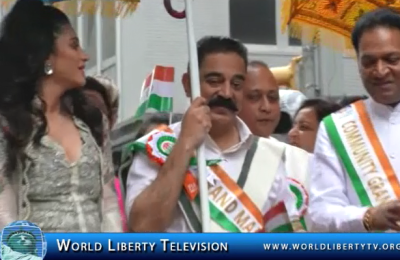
point(245, 195)
point(261, 112)
point(356, 167)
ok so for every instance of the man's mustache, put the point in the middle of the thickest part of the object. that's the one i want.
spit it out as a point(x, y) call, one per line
point(219, 101)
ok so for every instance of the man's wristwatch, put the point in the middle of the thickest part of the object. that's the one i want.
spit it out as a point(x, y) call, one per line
point(367, 219)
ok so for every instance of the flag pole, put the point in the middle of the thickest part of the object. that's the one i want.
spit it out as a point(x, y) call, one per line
point(195, 87)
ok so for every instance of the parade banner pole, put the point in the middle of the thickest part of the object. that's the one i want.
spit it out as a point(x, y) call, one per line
point(195, 87)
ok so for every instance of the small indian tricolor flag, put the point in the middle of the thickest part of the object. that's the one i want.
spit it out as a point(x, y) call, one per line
point(277, 219)
point(157, 91)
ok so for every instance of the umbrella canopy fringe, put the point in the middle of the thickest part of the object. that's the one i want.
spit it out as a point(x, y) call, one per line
point(285, 14)
point(316, 35)
point(335, 20)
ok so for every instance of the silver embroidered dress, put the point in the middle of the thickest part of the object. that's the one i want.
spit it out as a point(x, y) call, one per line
point(60, 196)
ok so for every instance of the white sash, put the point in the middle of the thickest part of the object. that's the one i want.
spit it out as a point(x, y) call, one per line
point(298, 176)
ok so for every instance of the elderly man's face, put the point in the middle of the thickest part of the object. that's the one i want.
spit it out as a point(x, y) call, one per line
point(260, 107)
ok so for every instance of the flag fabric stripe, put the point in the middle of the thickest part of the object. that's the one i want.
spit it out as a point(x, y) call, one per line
point(164, 74)
point(277, 220)
point(162, 88)
point(157, 91)
point(160, 104)
point(285, 228)
point(147, 81)
point(278, 209)
point(280, 223)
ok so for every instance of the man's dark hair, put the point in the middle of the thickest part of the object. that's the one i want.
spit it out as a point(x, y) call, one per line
point(321, 107)
point(348, 100)
point(381, 17)
point(217, 44)
point(258, 63)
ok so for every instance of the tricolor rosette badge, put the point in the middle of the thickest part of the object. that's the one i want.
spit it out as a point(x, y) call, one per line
point(300, 194)
point(159, 146)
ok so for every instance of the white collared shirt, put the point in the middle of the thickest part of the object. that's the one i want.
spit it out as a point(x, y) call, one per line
point(142, 173)
point(334, 205)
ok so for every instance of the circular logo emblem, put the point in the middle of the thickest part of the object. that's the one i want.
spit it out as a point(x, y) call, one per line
point(165, 144)
point(301, 195)
point(22, 240)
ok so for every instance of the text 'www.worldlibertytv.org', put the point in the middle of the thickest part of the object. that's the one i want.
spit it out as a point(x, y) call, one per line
point(331, 247)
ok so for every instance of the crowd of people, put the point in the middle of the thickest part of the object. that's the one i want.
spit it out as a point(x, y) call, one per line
point(276, 161)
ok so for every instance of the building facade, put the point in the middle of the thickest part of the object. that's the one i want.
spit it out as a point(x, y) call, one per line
point(132, 46)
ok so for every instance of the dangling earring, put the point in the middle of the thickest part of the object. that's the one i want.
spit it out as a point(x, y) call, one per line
point(48, 70)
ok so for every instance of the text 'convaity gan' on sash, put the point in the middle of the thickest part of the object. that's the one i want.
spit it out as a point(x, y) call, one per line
point(365, 161)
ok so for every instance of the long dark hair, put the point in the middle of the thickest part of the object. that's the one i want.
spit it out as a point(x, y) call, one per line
point(27, 39)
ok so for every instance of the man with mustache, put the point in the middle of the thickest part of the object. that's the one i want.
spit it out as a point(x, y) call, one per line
point(261, 113)
point(246, 194)
point(356, 168)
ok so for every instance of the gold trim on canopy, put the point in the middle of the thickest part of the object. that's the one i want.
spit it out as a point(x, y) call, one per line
point(109, 8)
point(335, 19)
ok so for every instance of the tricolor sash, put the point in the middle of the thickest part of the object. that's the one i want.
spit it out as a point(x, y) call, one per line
point(235, 205)
point(246, 212)
point(367, 165)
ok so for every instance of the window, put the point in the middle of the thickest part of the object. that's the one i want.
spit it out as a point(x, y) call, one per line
point(89, 37)
point(109, 43)
point(253, 21)
point(257, 22)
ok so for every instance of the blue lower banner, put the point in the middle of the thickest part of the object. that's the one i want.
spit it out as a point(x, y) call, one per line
point(222, 246)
